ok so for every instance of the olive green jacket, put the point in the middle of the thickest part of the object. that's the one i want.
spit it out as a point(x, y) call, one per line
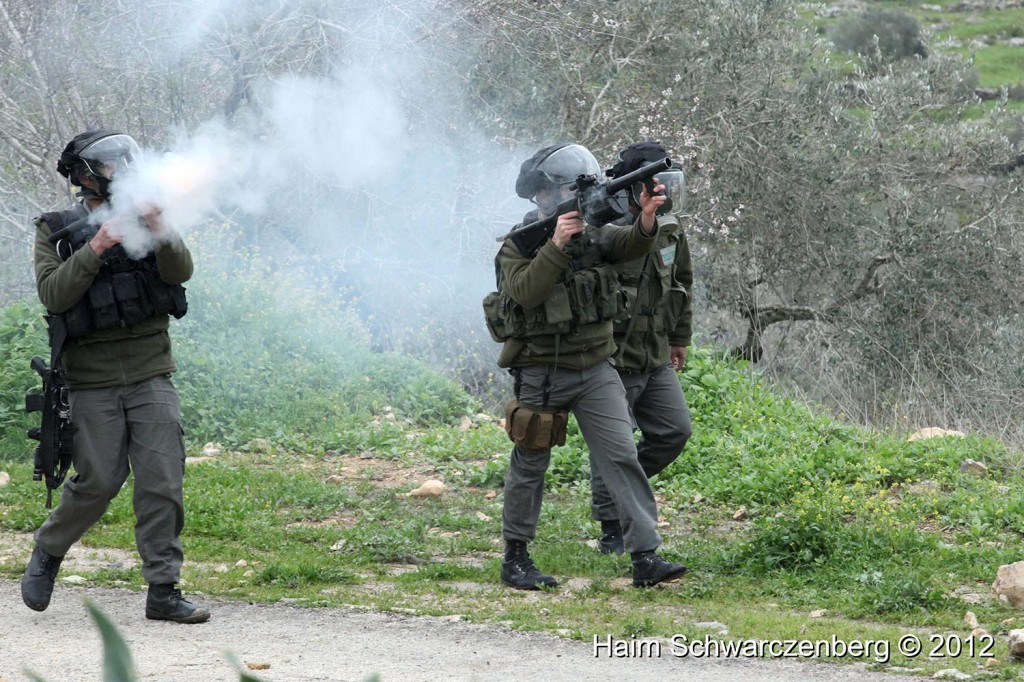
point(108, 357)
point(660, 285)
point(529, 281)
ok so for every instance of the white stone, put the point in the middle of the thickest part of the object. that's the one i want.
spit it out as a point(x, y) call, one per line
point(430, 488)
point(1009, 584)
point(932, 432)
point(973, 467)
point(1016, 643)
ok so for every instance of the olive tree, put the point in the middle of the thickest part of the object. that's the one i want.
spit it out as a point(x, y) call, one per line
point(860, 222)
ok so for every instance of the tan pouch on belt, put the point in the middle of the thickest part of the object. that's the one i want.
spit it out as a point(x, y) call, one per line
point(535, 429)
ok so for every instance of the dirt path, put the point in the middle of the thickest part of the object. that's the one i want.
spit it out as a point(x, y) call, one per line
point(61, 644)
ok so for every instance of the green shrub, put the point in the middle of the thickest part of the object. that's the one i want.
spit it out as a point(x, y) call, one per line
point(268, 351)
point(897, 33)
point(900, 591)
point(22, 336)
point(806, 537)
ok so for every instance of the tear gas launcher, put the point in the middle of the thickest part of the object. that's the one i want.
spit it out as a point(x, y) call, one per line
point(599, 201)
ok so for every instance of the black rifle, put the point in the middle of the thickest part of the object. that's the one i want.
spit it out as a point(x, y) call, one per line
point(597, 200)
point(55, 434)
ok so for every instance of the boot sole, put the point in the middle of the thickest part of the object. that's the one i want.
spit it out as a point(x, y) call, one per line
point(669, 578)
point(535, 587)
point(188, 620)
point(36, 607)
point(522, 587)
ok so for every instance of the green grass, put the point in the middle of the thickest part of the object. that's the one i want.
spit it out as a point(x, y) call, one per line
point(834, 523)
point(997, 64)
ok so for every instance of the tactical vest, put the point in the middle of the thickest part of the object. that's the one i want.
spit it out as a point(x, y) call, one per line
point(656, 305)
point(587, 292)
point(125, 291)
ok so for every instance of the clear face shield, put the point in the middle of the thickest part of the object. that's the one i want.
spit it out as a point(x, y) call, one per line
point(567, 163)
point(561, 169)
point(675, 189)
point(109, 155)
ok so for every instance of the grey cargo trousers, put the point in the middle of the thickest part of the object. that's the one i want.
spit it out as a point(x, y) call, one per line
point(597, 399)
point(136, 427)
point(659, 410)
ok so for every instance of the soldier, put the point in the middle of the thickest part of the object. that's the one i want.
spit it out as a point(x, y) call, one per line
point(554, 307)
point(109, 319)
point(652, 337)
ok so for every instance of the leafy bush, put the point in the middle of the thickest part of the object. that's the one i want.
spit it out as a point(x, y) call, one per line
point(898, 34)
point(807, 538)
point(900, 591)
point(22, 336)
point(269, 351)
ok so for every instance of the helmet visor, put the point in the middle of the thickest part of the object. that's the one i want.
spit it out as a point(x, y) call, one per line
point(567, 163)
point(110, 154)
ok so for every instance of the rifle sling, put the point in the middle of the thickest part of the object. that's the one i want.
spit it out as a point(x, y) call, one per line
point(632, 311)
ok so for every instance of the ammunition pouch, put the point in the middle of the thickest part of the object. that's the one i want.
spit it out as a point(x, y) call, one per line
point(124, 292)
point(125, 297)
point(674, 306)
point(585, 297)
point(535, 429)
point(497, 317)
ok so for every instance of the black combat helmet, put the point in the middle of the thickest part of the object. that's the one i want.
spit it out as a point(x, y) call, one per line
point(637, 156)
point(100, 153)
point(553, 166)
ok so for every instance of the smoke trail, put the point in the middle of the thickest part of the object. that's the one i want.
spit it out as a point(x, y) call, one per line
point(361, 167)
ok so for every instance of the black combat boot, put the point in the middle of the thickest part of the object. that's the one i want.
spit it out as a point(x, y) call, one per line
point(610, 541)
point(519, 571)
point(649, 569)
point(37, 583)
point(164, 602)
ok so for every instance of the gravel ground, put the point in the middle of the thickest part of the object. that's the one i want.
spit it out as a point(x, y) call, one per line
point(61, 644)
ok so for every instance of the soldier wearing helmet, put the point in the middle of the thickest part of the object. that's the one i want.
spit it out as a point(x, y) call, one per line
point(109, 317)
point(554, 311)
point(652, 336)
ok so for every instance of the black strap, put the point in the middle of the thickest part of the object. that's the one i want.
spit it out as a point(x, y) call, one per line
point(632, 311)
point(58, 330)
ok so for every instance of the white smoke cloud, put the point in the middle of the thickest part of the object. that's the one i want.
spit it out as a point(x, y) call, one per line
point(347, 133)
point(198, 175)
point(365, 167)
